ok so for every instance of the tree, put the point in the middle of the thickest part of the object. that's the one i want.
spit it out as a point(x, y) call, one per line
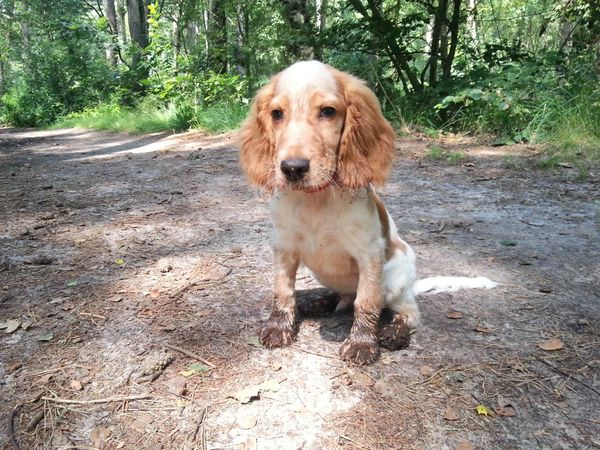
point(111, 16)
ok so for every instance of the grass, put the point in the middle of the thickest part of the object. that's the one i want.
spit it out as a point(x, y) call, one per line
point(438, 153)
point(152, 116)
point(220, 118)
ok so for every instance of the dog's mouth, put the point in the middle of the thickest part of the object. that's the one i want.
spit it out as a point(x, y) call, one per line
point(310, 186)
point(312, 189)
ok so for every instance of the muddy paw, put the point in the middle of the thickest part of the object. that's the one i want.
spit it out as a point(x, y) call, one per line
point(359, 353)
point(395, 335)
point(275, 335)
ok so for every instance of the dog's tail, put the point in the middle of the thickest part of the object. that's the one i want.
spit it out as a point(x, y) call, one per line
point(434, 285)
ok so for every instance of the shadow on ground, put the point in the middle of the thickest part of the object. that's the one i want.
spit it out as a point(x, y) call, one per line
point(140, 266)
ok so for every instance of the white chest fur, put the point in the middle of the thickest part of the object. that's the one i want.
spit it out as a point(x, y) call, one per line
point(333, 232)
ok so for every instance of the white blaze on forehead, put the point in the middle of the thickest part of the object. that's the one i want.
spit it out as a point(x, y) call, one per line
point(306, 75)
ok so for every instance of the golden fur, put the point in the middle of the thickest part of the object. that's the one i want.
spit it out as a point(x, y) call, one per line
point(352, 150)
point(330, 218)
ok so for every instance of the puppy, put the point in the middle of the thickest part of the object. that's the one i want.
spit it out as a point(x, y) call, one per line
point(316, 139)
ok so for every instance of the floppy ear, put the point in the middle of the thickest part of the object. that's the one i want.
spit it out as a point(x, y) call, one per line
point(257, 140)
point(367, 144)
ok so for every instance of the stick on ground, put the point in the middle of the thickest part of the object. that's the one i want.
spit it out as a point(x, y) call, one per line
point(122, 398)
point(190, 354)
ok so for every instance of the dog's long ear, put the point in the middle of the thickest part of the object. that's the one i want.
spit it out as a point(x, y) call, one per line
point(257, 141)
point(367, 143)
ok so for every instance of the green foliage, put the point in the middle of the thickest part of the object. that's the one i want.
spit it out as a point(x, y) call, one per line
point(438, 153)
point(524, 71)
point(149, 116)
point(220, 117)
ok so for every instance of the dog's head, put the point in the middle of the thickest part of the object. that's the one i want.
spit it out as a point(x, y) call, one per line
point(312, 126)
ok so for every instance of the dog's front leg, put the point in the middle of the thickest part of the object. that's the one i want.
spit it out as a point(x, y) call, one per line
point(362, 347)
point(279, 330)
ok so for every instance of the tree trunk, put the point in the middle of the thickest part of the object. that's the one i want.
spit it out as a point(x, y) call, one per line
point(439, 20)
point(217, 37)
point(138, 22)
point(138, 30)
point(472, 21)
point(2, 77)
point(296, 13)
point(453, 32)
point(122, 10)
point(111, 16)
point(398, 56)
point(321, 23)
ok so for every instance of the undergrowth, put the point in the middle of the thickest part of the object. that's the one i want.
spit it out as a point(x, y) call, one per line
point(438, 153)
point(152, 116)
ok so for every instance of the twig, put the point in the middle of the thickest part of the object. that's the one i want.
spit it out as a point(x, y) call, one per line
point(199, 424)
point(572, 377)
point(190, 354)
point(97, 400)
point(33, 423)
point(11, 427)
point(322, 355)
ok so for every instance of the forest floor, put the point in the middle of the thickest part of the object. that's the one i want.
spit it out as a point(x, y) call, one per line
point(119, 251)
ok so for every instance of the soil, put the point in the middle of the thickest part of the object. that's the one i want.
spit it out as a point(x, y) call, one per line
point(137, 271)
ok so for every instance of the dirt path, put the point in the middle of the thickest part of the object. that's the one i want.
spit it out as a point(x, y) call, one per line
point(114, 245)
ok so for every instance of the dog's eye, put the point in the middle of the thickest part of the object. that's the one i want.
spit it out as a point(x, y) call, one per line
point(327, 112)
point(277, 114)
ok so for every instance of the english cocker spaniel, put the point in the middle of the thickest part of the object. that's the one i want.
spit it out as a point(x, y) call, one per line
point(317, 140)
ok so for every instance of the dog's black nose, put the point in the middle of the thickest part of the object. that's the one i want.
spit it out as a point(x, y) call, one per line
point(295, 169)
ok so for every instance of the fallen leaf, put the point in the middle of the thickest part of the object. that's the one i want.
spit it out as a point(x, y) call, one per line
point(506, 411)
point(464, 445)
point(254, 341)
point(72, 283)
point(426, 371)
point(247, 422)
point(453, 314)
point(387, 359)
point(11, 325)
point(14, 367)
point(99, 437)
point(551, 345)
point(483, 410)
point(154, 293)
point(46, 337)
point(459, 377)
point(204, 312)
point(508, 242)
point(451, 414)
point(248, 444)
point(119, 261)
point(176, 385)
point(246, 395)
point(270, 385)
point(482, 329)
point(360, 378)
point(545, 290)
point(76, 385)
point(194, 369)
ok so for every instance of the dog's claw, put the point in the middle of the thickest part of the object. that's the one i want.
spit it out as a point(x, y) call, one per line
point(274, 335)
point(359, 353)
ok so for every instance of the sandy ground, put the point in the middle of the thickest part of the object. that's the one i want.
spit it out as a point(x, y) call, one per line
point(135, 272)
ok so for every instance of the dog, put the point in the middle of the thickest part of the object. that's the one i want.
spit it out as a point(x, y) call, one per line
point(317, 141)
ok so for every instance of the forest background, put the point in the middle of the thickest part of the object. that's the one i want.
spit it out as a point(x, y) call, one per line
point(522, 71)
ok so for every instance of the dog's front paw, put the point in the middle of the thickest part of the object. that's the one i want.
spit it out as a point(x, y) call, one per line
point(361, 353)
point(396, 334)
point(274, 334)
